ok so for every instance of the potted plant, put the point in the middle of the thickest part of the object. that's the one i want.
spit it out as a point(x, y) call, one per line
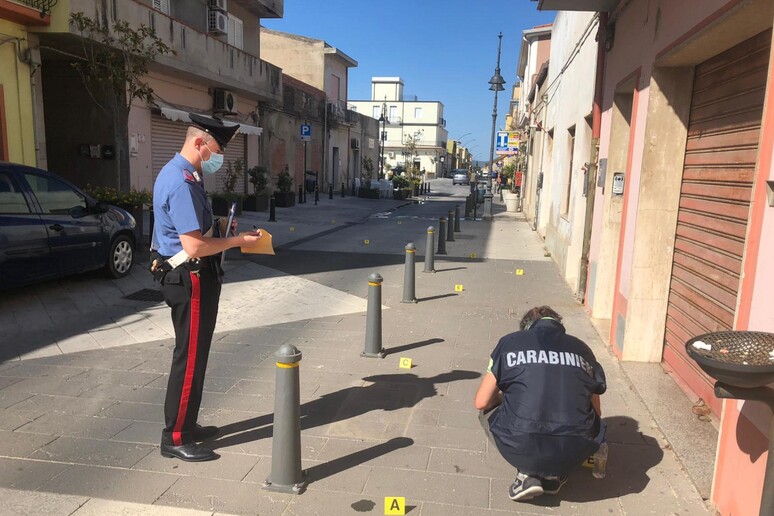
point(510, 196)
point(283, 195)
point(134, 201)
point(258, 200)
point(365, 191)
point(401, 187)
point(221, 202)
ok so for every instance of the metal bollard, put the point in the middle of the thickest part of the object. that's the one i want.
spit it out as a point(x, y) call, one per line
point(272, 202)
point(353, 188)
point(316, 194)
point(300, 195)
point(457, 219)
point(373, 336)
point(286, 475)
point(428, 188)
point(409, 294)
point(330, 190)
point(441, 236)
point(342, 190)
point(450, 227)
point(467, 207)
point(430, 250)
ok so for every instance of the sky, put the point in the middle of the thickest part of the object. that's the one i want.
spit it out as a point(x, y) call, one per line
point(444, 50)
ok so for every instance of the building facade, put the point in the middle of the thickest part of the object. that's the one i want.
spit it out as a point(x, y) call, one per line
point(414, 131)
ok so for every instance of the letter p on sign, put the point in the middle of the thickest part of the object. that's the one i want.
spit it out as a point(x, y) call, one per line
point(394, 505)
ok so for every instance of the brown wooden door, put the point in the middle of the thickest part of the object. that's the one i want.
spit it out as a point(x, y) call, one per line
point(720, 160)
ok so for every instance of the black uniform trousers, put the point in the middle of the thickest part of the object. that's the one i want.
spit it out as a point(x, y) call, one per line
point(193, 296)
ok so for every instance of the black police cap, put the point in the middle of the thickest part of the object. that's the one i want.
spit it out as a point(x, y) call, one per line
point(221, 132)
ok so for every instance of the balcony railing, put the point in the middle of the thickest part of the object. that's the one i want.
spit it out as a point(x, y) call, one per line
point(27, 12)
point(196, 53)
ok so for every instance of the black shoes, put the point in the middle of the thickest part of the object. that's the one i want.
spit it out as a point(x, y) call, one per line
point(202, 433)
point(189, 452)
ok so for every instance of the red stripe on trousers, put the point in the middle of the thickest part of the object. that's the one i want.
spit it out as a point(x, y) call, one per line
point(193, 339)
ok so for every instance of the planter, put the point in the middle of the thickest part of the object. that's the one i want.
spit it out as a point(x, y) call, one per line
point(367, 193)
point(222, 205)
point(256, 203)
point(511, 200)
point(284, 199)
point(398, 194)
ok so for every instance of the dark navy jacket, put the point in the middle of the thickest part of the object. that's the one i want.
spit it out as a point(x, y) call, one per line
point(546, 424)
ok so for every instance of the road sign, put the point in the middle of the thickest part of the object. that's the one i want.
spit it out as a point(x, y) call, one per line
point(507, 143)
point(306, 132)
point(502, 142)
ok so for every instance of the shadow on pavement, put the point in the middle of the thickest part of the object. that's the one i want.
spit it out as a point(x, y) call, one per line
point(433, 298)
point(387, 392)
point(346, 462)
point(631, 455)
point(413, 345)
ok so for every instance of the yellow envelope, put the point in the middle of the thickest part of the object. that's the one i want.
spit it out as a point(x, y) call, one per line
point(262, 246)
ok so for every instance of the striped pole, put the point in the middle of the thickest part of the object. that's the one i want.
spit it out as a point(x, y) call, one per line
point(409, 294)
point(373, 336)
point(430, 250)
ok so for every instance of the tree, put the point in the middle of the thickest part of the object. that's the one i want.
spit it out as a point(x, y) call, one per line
point(410, 150)
point(113, 68)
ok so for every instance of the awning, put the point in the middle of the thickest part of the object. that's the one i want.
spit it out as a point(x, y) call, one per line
point(180, 114)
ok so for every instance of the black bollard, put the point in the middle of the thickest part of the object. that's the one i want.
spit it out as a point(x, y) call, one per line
point(316, 195)
point(330, 190)
point(286, 475)
point(441, 236)
point(373, 336)
point(300, 195)
point(272, 217)
point(430, 250)
point(450, 227)
point(353, 188)
point(457, 219)
point(342, 189)
point(409, 292)
point(467, 207)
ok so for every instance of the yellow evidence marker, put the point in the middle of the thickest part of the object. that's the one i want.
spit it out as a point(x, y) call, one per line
point(394, 505)
point(472, 255)
point(519, 272)
point(292, 228)
point(458, 288)
point(588, 463)
point(366, 242)
point(405, 363)
point(333, 221)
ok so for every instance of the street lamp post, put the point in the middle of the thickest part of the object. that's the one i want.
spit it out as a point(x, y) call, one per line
point(381, 146)
point(495, 84)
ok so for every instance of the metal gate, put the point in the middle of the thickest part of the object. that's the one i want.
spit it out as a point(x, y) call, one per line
point(720, 160)
point(167, 138)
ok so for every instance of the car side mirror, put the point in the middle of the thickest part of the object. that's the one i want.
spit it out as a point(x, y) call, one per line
point(100, 207)
point(78, 212)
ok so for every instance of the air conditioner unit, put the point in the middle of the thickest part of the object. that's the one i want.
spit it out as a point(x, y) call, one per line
point(391, 154)
point(224, 102)
point(219, 5)
point(218, 22)
point(356, 143)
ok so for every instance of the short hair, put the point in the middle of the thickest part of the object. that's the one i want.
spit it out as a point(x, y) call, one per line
point(537, 313)
point(195, 132)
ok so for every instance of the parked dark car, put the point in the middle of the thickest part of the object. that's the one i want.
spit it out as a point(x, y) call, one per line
point(460, 177)
point(50, 228)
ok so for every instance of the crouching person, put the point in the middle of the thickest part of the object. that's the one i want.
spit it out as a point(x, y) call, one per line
point(539, 403)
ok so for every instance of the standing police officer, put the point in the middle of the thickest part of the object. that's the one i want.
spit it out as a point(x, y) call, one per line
point(540, 403)
point(185, 259)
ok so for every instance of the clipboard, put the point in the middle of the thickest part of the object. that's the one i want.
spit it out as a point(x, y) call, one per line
point(228, 231)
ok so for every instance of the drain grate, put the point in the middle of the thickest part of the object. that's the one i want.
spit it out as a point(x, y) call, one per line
point(146, 294)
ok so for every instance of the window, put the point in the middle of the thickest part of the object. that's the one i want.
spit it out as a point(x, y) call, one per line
point(54, 196)
point(235, 32)
point(335, 90)
point(11, 198)
point(377, 112)
point(418, 112)
point(393, 113)
point(571, 157)
point(161, 5)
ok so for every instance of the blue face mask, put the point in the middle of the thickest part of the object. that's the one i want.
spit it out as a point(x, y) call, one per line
point(213, 164)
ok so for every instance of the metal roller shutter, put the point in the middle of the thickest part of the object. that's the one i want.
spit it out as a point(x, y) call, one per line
point(720, 160)
point(167, 138)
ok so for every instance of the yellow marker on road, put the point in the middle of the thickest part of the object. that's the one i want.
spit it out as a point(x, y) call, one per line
point(394, 505)
point(519, 272)
point(333, 221)
point(292, 228)
point(405, 363)
point(458, 288)
point(366, 242)
point(472, 255)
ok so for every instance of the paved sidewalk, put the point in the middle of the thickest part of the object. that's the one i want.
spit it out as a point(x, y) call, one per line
point(80, 427)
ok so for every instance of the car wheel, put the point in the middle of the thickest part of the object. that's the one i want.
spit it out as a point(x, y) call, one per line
point(121, 257)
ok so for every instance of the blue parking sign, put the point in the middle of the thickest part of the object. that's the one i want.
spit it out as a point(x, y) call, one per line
point(306, 132)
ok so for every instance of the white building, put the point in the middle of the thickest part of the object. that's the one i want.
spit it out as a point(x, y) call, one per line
point(406, 120)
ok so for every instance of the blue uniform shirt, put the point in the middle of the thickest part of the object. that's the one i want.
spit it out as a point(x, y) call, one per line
point(179, 205)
